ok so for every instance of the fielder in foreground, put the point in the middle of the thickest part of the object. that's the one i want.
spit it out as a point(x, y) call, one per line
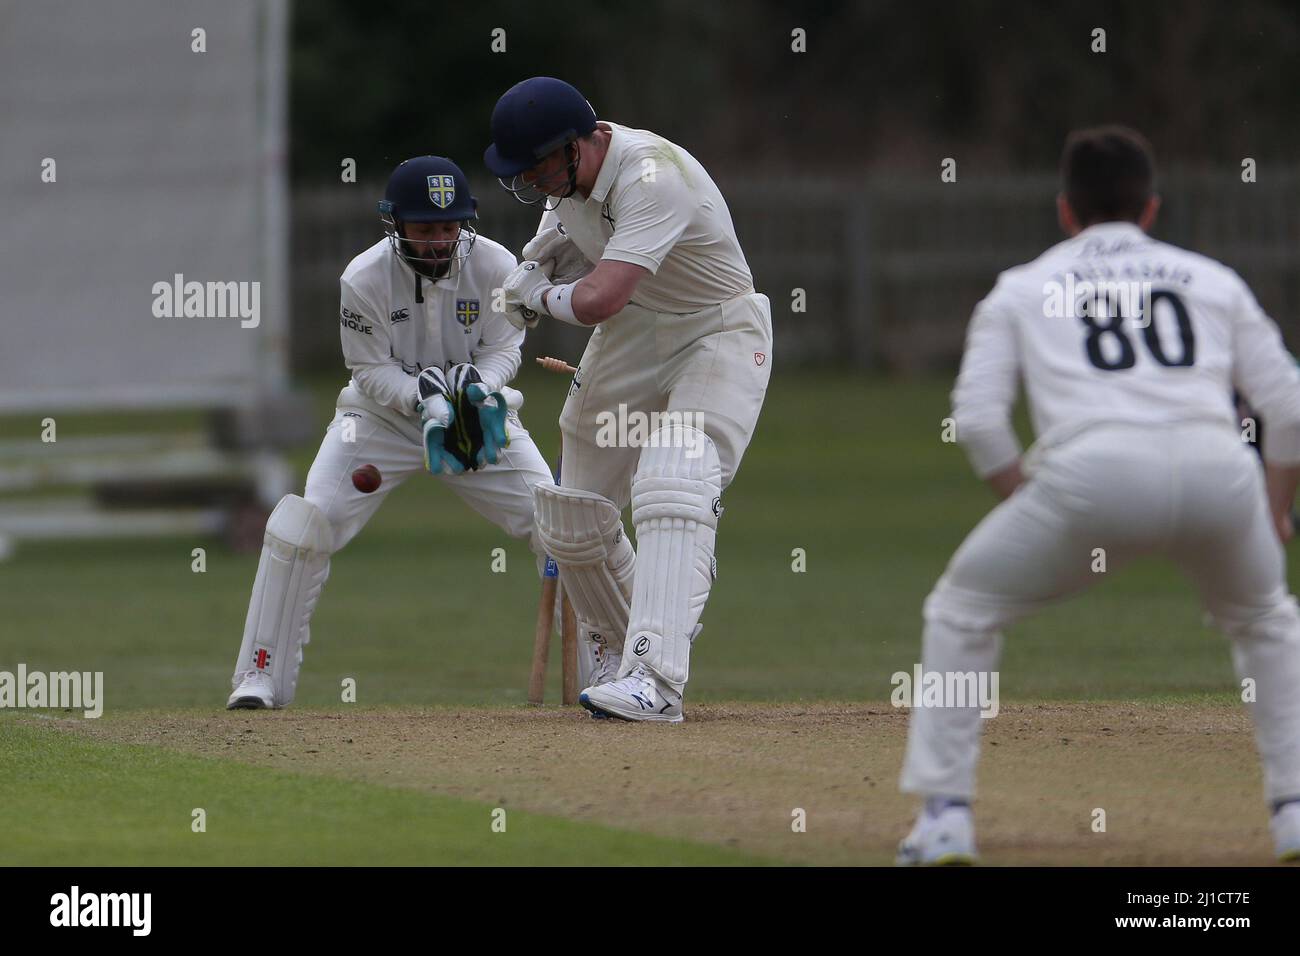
point(637, 241)
point(430, 364)
point(1129, 349)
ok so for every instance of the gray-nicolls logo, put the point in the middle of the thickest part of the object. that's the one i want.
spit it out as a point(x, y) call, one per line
point(641, 646)
point(103, 909)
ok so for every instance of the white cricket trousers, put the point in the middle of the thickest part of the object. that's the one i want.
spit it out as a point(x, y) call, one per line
point(501, 493)
point(713, 364)
point(1192, 492)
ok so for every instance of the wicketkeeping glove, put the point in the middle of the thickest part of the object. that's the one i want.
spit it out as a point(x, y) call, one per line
point(480, 416)
point(438, 414)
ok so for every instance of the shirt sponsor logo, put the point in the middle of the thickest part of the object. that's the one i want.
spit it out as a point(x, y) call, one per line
point(355, 322)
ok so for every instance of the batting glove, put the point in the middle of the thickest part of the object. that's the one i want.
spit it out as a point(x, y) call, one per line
point(557, 256)
point(522, 319)
point(547, 244)
point(525, 288)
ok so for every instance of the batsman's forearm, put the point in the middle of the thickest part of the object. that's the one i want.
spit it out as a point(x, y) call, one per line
point(585, 301)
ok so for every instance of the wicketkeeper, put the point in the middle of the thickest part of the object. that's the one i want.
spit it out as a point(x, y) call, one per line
point(430, 363)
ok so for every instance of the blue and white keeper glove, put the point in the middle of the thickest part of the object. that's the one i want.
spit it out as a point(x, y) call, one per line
point(475, 404)
point(437, 415)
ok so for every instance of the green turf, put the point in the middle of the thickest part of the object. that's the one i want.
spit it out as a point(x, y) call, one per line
point(850, 469)
point(65, 801)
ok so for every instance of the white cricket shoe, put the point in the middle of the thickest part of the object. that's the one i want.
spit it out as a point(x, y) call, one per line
point(945, 839)
point(1286, 832)
point(641, 695)
point(253, 691)
point(605, 665)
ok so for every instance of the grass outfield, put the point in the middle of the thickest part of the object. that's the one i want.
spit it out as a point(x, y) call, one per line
point(849, 469)
point(73, 802)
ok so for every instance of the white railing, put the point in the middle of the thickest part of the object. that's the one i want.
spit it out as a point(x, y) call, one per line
point(890, 266)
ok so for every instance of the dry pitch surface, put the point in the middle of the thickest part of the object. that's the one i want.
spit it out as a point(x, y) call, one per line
point(1179, 782)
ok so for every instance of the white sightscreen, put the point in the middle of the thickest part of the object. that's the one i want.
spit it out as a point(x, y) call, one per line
point(167, 161)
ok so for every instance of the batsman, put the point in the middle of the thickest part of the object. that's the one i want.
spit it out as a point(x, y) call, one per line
point(635, 241)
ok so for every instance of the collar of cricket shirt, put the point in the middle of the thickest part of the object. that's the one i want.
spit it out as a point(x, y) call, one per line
point(1114, 228)
point(609, 165)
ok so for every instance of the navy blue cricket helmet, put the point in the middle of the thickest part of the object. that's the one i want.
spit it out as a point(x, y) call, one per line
point(531, 120)
point(428, 189)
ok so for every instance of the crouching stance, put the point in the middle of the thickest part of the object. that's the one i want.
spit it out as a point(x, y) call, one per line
point(1138, 454)
point(430, 364)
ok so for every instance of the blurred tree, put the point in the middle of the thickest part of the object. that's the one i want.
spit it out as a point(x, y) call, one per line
point(891, 85)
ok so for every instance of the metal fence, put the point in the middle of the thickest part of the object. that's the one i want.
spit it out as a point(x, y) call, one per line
point(890, 267)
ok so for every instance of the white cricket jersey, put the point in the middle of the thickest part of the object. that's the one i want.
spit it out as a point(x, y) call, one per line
point(655, 206)
point(1203, 335)
point(389, 337)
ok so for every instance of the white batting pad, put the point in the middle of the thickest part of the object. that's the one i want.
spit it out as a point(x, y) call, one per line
point(676, 500)
point(583, 532)
point(294, 566)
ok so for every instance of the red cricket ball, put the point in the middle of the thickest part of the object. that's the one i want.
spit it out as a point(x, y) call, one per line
point(366, 479)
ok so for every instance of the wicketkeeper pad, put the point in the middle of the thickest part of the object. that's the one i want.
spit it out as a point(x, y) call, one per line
point(293, 568)
point(676, 501)
point(583, 532)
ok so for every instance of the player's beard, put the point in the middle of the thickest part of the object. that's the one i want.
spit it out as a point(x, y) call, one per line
point(433, 268)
